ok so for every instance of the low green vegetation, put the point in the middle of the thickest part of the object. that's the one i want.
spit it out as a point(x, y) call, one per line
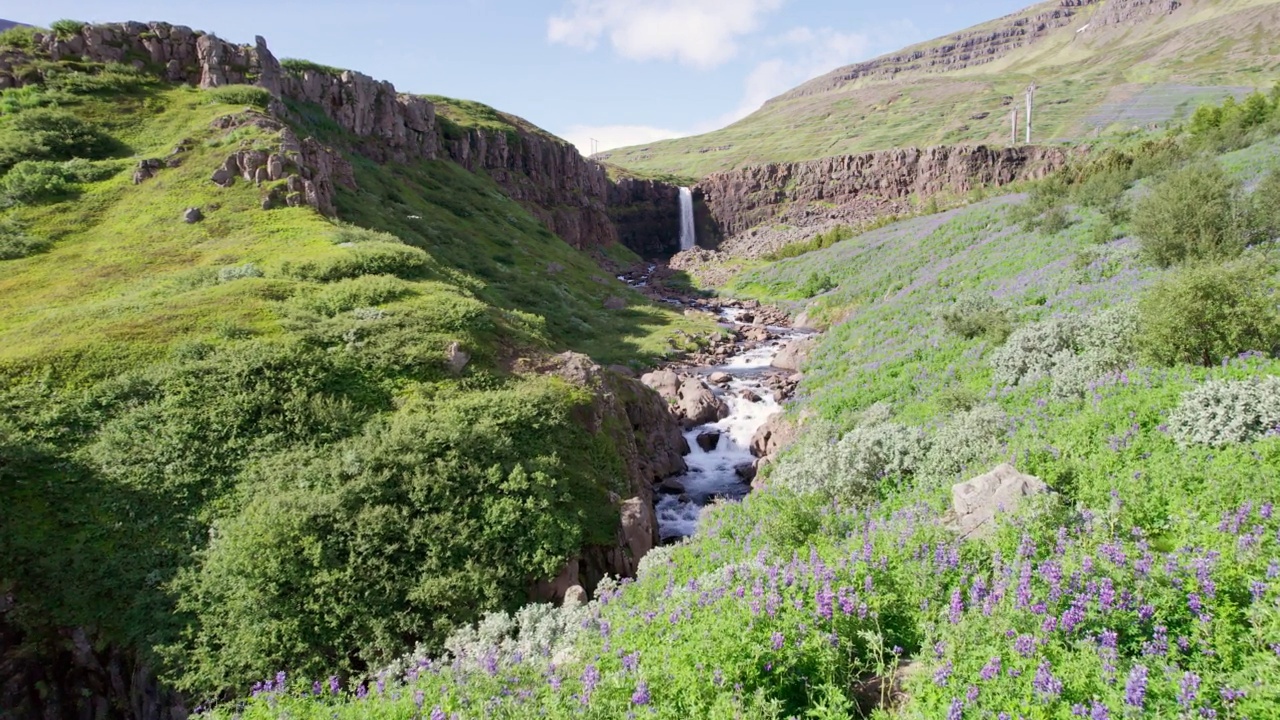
point(1146, 583)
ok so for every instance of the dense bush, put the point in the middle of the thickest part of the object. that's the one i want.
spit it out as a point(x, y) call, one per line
point(18, 38)
point(1196, 213)
point(67, 28)
point(239, 272)
point(50, 134)
point(16, 242)
point(1223, 412)
point(375, 257)
point(864, 463)
point(975, 314)
point(1204, 313)
point(1032, 350)
point(33, 181)
point(963, 440)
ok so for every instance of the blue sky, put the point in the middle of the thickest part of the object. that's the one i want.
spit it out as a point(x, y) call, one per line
point(622, 71)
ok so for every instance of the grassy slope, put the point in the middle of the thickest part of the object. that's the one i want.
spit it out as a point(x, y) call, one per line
point(1086, 83)
point(146, 401)
point(731, 624)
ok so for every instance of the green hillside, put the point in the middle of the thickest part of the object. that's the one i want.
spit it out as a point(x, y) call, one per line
point(255, 440)
point(1091, 78)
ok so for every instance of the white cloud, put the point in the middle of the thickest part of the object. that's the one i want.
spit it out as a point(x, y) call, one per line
point(808, 53)
point(615, 136)
point(699, 33)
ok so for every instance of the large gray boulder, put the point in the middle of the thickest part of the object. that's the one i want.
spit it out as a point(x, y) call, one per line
point(976, 503)
point(776, 433)
point(794, 354)
point(690, 399)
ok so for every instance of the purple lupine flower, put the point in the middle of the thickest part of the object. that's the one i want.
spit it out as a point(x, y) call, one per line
point(1230, 695)
point(361, 691)
point(418, 698)
point(825, 598)
point(779, 640)
point(990, 670)
point(590, 678)
point(1135, 687)
point(971, 695)
point(956, 609)
point(1098, 711)
point(1045, 683)
point(334, 686)
point(1188, 690)
point(942, 674)
point(956, 711)
point(1025, 646)
point(315, 688)
point(641, 695)
point(438, 714)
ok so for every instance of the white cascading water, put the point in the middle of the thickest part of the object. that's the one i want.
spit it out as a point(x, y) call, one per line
point(712, 474)
point(688, 234)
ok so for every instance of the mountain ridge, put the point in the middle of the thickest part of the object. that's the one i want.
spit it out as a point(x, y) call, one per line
point(1097, 65)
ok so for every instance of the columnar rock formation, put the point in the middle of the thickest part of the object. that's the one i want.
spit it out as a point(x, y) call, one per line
point(750, 196)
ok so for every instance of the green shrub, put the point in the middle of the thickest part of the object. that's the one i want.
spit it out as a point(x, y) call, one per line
point(1225, 412)
point(67, 28)
point(1031, 351)
point(110, 80)
point(1204, 313)
point(369, 258)
point(975, 314)
point(297, 66)
point(249, 95)
point(232, 273)
point(16, 243)
point(815, 284)
point(1196, 213)
point(29, 182)
point(347, 295)
point(20, 37)
point(1266, 208)
point(865, 463)
point(819, 241)
point(965, 439)
point(958, 398)
point(51, 134)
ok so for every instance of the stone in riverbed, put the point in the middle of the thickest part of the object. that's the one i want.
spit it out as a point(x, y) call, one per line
point(720, 378)
point(776, 433)
point(671, 486)
point(708, 441)
point(749, 396)
point(793, 355)
point(746, 471)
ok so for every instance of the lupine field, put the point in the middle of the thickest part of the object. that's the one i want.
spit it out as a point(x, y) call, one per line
point(1145, 584)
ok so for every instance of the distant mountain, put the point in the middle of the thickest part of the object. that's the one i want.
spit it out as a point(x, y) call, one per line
point(6, 24)
point(1097, 65)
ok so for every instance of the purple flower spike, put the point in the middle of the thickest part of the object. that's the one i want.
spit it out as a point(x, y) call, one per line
point(641, 695)
point(1135, 688)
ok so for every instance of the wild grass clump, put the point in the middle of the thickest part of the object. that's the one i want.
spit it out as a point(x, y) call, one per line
point(368, 258)
point(1226, 412)
point(247, 95)
point(1206, 312)
point(20, 37)
point(231, 273)
point(298, 67)
point(820, 240)
point(45, 181)
point(51, 134)
point(65, 29)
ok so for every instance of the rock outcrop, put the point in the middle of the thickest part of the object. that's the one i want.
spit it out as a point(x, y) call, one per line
point(1128, 12)
point(689, 397)
point(976, 503)
point(391, 126)
point(177, 53)
point(299, 172)
point(546, 175)
point(794, 354)
point(855, 188)
point(651, 446)
point(776, 433)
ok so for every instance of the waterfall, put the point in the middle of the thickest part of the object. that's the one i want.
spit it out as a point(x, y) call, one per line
point(688, 233)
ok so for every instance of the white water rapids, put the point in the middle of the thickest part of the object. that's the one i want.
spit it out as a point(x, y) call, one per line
point(688, 233)
point(712, 474)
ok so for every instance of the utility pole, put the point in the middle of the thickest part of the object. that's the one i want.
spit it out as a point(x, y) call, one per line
point(1013, 120)
point(1031, 101)
point(595, 144)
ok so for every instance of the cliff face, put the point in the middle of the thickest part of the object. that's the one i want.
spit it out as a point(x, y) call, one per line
point(859, 187)
point(547, 176)
point(646, 214)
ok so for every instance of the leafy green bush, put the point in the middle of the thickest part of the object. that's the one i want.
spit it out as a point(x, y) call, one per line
point(38, 181)
point(232, 273)
point(819, 241)
point(297, 66)
point(1196, 213)
point(1224, 412)
point(864, 463)
point(16, 243)
point(111, 79)
point(29, 182)
point(815, 284)
point(1031, 351)
point(66, 28)
point(965, 439)
point(19, 37)
point(368, 258)
point(1204, 313)
point(51, 134)
point(975, 314)
point(1266, 207)
point(1045, 208)
point(347, 295)
point(250, 95)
